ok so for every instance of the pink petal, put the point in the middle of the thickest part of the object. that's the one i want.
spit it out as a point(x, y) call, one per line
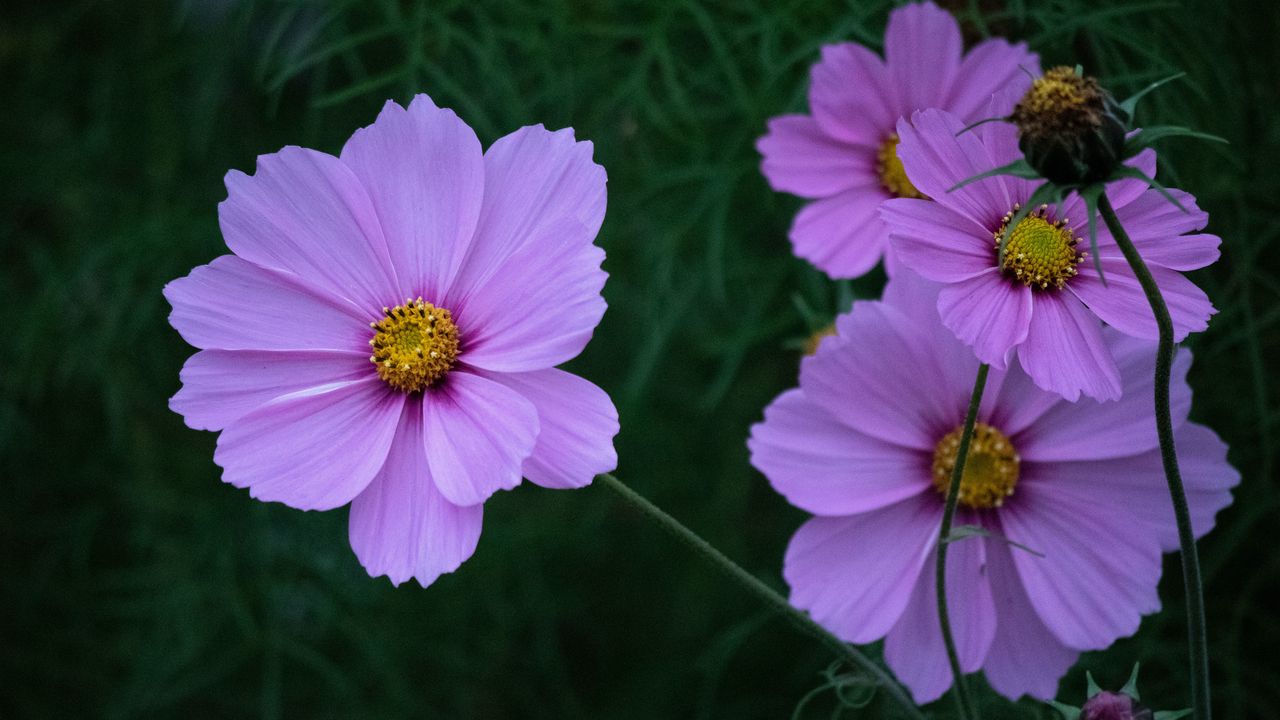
point(313, 450)
point(988, 313)
point(478, 433)
point(842, 235)
point(936, 242)
point(401, 526)
point(800, 158)
point(424, 171)
point(991, 67)
point(1025, 658)
point(936, 160)
point(539, 308)
point(855, 574)
point(1017, 403)
point(882, 378)
point(1064, 352)
point(827, 468)
point(852, 96)
point(1156, 227)
point(532, 178)
point(1122, 304)
point(577, 422)
point(1137, 483)
point(922, 48)
point(232, 304)
point(219, 386)
point(1099, 570)
point(914, 647)
point(1090, 430)
point(304, 212)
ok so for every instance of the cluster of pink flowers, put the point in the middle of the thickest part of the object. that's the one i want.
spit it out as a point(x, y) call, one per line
point(386, 330)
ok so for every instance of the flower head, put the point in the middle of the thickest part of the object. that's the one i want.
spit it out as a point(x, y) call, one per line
point(1044, 301)
point(1070, 128)
point(386, 330)
point(1067, 496)
point(844, 155)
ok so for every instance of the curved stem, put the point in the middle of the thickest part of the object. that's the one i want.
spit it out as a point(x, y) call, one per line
point(763, 593)
point(963, 703)
point(1197, 634)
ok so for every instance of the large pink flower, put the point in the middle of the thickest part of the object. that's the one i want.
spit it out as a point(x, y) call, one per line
point(1047, 303)
point(843, 155)
point(387, 330)
point(867, 444)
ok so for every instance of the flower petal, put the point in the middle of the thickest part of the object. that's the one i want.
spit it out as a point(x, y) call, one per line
point(424, 171)
point(988, 313)
point(1137, 483)
point(1098, 571)
point(1090, 430)
point(922, 47)
point(852, 95)
point(478, 433)
point(232, 304)
point(843, 234)
point(312, 450)
point(219, 386)
point(539, 308)
point(935, 242)
point(532, 178)
point(1064, 352)
point(577, 422)
point(936, 159)
point(304, 212)
point(1025, 658)
point(991, 67)
point(401, 526)
point(827, 468)
point(1122, 304)
point(855, 574)
point(799, 158)
point(914, 648)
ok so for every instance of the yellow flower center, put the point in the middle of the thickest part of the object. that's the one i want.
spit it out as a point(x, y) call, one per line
point(1058, 92)
point(990, 470)
point(892, 175)
point(414, 345)
point(1040, 253)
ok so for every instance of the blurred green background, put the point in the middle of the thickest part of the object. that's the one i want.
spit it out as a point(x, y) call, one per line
point(133, 583)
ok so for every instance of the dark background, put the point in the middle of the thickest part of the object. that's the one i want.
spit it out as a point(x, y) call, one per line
point(134, 584)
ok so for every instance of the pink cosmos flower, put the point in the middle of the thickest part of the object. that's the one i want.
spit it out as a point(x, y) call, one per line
point(867, 443)
point(842, 157)
point(387, 330)
point(1047, 303)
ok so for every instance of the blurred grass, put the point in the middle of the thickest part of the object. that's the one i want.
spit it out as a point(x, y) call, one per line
point(135, 584)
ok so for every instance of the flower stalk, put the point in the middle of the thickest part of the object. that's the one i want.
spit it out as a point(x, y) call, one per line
point(1196, 631)
point(762, 592)
point(963, 703)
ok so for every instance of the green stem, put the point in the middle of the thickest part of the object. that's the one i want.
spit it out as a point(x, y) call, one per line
point(963, 703)
point(762, 592)
point(1198, 638)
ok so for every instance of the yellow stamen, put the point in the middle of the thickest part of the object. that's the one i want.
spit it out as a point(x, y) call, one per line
point(815, 339)
point(892, 175)
point(414, 345)
point(1040, 253)
point(990, 470)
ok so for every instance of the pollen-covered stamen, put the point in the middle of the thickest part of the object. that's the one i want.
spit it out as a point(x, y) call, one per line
point(892, 175)
point(1040, 253)
point(414, 345)
point(990, 470)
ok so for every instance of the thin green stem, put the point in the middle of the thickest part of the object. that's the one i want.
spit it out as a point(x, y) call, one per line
point(1198, 638)
point(763, 593)
point(963, 703)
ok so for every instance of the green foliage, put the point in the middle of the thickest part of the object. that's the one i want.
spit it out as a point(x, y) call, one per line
point(137, 585)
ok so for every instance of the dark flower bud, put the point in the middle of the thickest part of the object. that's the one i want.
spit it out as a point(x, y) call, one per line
point(1114, 706)
point(1069, 128)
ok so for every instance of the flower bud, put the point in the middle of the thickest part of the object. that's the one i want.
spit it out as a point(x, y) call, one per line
point(1069, 128)
point(1114, 706)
